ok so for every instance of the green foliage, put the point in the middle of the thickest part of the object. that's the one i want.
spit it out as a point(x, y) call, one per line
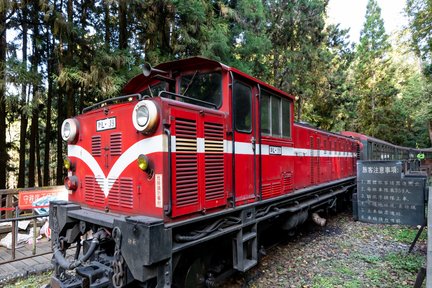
point(373, 75)
point(327, 106)
point(404, 234)
point(420, 15)
point(285, 43)
point(403, 261)
point(32, 281)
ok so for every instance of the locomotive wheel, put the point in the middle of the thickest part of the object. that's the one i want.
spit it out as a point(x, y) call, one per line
point(191, 272)
point(195, 275)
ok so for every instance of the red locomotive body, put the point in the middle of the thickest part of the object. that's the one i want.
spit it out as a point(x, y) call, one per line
point(196, 152)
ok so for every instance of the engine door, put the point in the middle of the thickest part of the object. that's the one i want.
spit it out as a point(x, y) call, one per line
point(244, 141)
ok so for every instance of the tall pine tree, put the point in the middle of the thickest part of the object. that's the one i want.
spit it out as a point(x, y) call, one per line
point(420, 18)
point(373, 78)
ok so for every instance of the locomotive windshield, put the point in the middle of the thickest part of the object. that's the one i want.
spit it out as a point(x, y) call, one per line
point(155, 89)
point(202, 86)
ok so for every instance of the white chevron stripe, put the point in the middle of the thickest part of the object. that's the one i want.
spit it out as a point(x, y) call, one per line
point(145, 146)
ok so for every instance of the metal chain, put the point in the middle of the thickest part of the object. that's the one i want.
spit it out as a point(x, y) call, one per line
point(118, 262)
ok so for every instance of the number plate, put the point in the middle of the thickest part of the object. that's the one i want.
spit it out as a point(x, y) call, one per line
point(275, 150)
point(106, 124)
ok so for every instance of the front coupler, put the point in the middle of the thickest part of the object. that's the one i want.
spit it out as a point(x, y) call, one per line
point(122, 249)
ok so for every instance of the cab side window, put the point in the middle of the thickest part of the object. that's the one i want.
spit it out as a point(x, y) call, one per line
point(242, 95)
point(275, 115)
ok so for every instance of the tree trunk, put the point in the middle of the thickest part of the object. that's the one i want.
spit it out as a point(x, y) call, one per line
point(60, 115)
point(299, 107)
point(70, 11)
point(38, 157)
point(3, 150)
point(32, 150)
point(23, 103)
point(107, 24)
point(35, 115)
point(123, 24)
point(46, 162)
point(70, 101)
point(60, 118)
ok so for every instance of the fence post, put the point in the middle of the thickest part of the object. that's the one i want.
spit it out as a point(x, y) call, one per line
point(9, 203)
point(14, 232)
point(34, 232)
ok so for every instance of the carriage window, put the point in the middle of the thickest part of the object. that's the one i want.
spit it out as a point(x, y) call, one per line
point(286, 118)
point(202, 86)
point(243, 107)
point(265, 114)
point(276, 116)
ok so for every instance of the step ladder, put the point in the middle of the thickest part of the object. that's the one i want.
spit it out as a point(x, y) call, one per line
point(245, 248)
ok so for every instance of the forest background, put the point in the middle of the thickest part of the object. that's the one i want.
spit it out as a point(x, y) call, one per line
point(67, 54)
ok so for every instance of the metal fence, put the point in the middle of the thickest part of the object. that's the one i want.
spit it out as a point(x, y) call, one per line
point(13, 203)
point(14, 221)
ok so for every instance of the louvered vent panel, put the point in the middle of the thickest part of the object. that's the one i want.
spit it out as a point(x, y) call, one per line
point(266, 191)
point(121, 193)
point(93, 194)
point(287, 182)
point(116, 144)
point(96, 145)
point(214, 161)
point(186, 162)
point(271, 189)
point(276, 188)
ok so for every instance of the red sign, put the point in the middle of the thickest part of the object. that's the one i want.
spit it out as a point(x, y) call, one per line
point(26, 198)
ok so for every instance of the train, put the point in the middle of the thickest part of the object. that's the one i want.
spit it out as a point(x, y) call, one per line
point(176, 183)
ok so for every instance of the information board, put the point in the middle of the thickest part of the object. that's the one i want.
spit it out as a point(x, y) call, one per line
point(386, 195)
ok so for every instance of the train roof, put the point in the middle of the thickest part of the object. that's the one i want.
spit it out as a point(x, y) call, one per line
point(184, 64)
point(310, 126)
point(373, 139)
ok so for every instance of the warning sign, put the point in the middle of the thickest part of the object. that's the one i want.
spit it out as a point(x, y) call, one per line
point(27, 197)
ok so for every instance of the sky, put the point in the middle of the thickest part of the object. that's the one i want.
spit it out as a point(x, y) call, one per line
point(351, 13)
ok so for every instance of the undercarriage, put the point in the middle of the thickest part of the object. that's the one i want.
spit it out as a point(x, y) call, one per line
point(114, 250)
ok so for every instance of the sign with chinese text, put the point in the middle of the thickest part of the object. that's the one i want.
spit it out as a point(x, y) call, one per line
point(27, 197)
point(386, 196)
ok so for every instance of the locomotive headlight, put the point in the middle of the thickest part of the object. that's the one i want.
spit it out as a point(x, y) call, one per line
point(143, 162)
point(71, 183)
point(145, 116)
point(142, 116)
point(67, 163)
point(69, 130)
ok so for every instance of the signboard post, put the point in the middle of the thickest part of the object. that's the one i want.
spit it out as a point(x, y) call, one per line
point(429, 243)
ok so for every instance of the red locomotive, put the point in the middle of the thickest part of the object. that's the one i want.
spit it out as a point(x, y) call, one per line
point(177, 180)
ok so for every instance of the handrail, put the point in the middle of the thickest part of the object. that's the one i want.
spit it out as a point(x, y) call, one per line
point(110, 100)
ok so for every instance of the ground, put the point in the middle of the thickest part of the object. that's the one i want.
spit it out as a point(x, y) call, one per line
point(344, 253)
